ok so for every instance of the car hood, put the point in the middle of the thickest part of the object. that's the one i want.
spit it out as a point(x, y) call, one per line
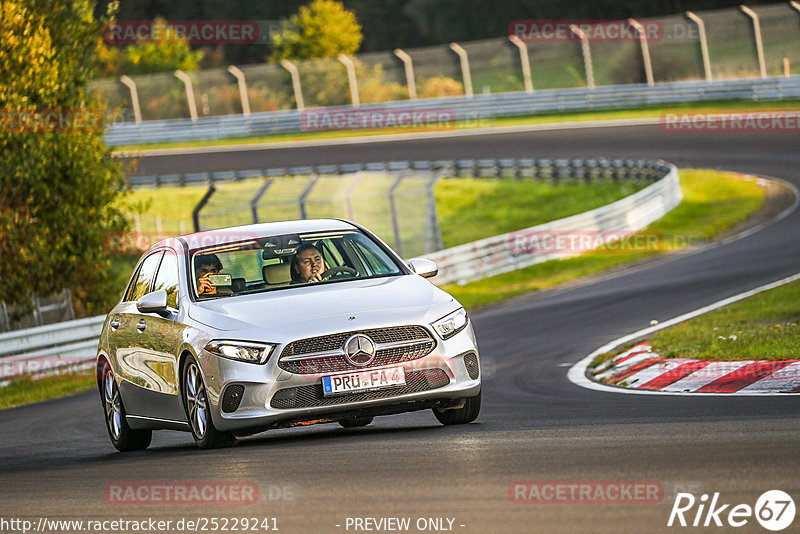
point(335, 306)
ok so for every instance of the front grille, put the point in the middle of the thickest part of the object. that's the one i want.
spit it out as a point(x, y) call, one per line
point(471, 363)
point(338, 362)
point(232, 398)
point(310, 396)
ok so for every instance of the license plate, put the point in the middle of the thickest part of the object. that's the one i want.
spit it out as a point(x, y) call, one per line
point(363, 381)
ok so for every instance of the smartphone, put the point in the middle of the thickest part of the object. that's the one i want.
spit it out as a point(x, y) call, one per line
point(220, 279)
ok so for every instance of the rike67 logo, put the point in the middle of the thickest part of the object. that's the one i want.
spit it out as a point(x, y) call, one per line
point(774, 510)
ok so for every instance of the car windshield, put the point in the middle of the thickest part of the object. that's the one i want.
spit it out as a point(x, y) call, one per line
point(285, 261)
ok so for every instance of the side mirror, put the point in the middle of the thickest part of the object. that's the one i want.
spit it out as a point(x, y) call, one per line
point(155, 302)
point(424, 268)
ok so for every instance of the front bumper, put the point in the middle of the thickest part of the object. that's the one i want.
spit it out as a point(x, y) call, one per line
point(270, 397)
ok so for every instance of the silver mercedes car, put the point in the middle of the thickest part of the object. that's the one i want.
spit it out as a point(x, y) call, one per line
point(236, 331)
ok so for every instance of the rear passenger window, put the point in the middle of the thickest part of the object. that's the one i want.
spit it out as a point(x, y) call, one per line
point(141, 286)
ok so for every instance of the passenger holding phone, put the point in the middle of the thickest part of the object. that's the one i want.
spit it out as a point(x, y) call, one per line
point(206, 265)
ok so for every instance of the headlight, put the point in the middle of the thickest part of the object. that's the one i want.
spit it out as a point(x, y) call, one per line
point(451, 324)
point(241, 350)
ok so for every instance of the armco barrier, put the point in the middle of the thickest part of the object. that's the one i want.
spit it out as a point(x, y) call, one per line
point(496, 255)
point(73, 344)
point(57, 347)
point(467, 109)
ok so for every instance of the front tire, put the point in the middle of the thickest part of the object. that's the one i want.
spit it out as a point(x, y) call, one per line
point(460, 416)
point(123, 437)
point(195, 403)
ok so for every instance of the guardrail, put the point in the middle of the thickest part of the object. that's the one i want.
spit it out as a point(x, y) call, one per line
point(73, 345)
point(465, 109)
point(502, 253)
point(44, 350)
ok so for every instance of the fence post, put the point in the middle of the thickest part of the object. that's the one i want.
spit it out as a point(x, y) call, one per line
point(298, 90)
point(759, 45)
point(255, 200)
point(351, 77)
point(348, 200)
point(187, 82)
point(67, 294)
point(200, 205)
point(523, 58)
point(587, 55)
point(409, 66)
point(701, 27)
point(463, 58)
point(37, 314)
point(137, 111)
point(648, 67)
point(398, 243)
point(307, 191)
point(242, 82)
point(433, 233)
point(5, 324)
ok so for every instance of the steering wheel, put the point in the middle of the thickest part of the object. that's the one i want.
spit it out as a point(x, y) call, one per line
point(338, 270)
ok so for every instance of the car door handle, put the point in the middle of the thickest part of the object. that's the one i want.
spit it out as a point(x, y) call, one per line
point(114, 324)
point(141, 326)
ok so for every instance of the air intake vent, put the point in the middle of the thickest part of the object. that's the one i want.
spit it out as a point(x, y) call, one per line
point(232, 398)
point(471, 363)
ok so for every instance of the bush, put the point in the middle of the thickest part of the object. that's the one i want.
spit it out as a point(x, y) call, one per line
point(438, 86)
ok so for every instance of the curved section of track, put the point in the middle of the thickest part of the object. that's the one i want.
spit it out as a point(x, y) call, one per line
point(535, 424)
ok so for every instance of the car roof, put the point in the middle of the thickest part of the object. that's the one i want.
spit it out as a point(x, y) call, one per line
point(240, 233)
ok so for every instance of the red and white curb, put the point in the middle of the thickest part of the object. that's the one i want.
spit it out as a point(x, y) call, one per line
point(641, 368)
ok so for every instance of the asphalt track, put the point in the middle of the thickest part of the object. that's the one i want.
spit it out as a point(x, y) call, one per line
point(55, 458)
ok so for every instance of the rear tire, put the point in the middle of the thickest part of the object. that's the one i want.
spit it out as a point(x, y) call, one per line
point(355, 422)
point(123, 437)
point(460, 416)
point(195, 403)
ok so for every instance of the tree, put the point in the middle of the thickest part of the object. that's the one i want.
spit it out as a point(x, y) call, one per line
point(323, 29)
point(59, 186)
point(164, 55)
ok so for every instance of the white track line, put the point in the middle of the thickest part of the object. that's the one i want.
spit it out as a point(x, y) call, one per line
point(577, 373)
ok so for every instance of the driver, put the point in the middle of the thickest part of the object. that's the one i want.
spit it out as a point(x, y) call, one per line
point(307, 264)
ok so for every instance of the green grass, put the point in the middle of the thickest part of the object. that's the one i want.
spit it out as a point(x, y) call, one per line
point(545, 118)
point(470, 209)
point(713, 203)
point(26, 391)
point(763, 327)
